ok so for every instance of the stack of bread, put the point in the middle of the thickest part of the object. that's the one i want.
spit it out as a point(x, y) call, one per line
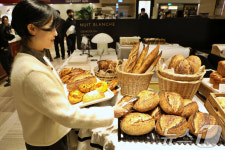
point(168, 113)
point(83, 86)
point(181, 75)
point(218, 76)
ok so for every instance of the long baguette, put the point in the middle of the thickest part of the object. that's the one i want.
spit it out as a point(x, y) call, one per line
point(132, 58)
point(154, 63)
point(141, 59)
point(148, 61)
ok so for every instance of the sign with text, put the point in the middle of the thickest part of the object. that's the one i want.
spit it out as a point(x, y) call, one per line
point(90, 28)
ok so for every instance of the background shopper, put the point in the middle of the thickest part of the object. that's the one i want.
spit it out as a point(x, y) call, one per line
point(5, 51)
point(143, 15)
point(70, 31)
point(44, 111)
point(59, 39)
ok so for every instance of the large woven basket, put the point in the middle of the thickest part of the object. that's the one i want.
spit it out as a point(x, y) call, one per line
point(187, 89)
point(132, 83)
point(180, 77)
point(106, 75)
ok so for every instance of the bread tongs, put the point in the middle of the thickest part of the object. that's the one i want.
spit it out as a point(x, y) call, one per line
point(131, 100)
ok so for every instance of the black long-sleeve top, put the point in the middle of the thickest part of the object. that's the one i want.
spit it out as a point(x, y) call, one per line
point(5, 35)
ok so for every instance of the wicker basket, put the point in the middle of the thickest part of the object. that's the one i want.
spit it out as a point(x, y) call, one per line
point(181, 77)
point(132, 83)
point(105, 76)
point(187, 89)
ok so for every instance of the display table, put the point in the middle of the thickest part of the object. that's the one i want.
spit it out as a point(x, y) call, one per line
point(107, 137)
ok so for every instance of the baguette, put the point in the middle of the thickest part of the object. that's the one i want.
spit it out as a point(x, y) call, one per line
point(132, 59)
point(141, 59)
point(148, 61)
point(154, 63)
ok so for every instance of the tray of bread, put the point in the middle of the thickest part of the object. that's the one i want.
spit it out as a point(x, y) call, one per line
point(166, 117)
point(84, 89)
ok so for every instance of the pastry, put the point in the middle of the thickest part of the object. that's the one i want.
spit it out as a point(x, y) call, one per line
point(132, 58)
point(221, 101)
point(141, 58)
point(171, 103)
point(190, 107)
point(93, 95)
point(137, 124)
point(65, 78)
point(75, 96)
point(112, 84)
point(148, 100)
point(175, 61)
point(65, 71)
point(149, 60)
point(203, 125)
point(171, 126)
point(221, 68)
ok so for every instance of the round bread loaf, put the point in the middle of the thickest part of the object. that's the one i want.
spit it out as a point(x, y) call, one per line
point(202, 125)
point(175, 61)
point(137, 124)
point(171, 103)
point(195, 63)
point(148, 100)
point(171, 126)
point(183, 67)
point(190, 107)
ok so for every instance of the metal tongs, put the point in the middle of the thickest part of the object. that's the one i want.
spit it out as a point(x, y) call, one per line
point(131, 100)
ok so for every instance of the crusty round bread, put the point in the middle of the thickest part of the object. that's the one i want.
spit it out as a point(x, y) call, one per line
point(183, 67)
point(171, 126)
point(156, 113)
point(148, 100)
point(195, 63)
point(202, 125)
point(137, 124)
point(121, 110)
point(190, 107)
point(171, 103)
point(175, 61)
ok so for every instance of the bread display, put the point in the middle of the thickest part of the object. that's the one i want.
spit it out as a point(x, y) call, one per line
point(137, 124)
point(141, 59)
point(221, 101)
point(190, 108)
point(148, 100)
point(149, 60)
point(93, 95)
point(190, 65)
point(64, 71)
point(112, 84)
point(218, 77)
point(171, 103)
point(203, 125)
point(171, 126)
point(156, 113)
point(132, 58)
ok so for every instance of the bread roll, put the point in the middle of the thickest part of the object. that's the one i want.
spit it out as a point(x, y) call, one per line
point(141, 59)
point(132, 58)
point(195, 62)
point(75, 96)
point(123, 110)
point(171, 126)
point(171, 103)
point(202, 125)
point(175, 61)
point(137, 124)
point(93, 95)
point(183, 67)
point(190, 107)
point(221, 68)
point(156, 113)
point(148, 100)
point(149, 60)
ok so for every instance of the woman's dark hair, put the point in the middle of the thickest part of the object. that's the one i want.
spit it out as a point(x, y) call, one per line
point(33, 12)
